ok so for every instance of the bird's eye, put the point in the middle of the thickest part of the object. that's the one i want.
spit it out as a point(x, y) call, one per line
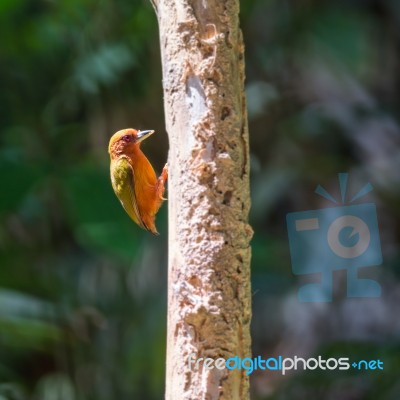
point(127, 138)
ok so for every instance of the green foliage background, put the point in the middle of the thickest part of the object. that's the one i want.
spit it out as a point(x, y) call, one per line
point(83, 290)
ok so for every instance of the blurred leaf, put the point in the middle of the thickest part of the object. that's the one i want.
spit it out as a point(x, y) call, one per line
point(103, 67)
point(11, 391)
point(55, 387)
point(28, 333)
point(14, 304)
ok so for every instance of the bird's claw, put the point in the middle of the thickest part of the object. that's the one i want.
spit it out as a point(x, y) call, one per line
point(164, 173)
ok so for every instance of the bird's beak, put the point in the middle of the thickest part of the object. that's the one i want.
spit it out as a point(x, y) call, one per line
point(143, 135)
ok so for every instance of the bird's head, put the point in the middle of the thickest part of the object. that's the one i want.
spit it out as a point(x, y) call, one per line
point(126, 140)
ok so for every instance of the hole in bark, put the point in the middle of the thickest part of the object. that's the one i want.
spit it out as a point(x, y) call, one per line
point(208, 53)
point(239, 258)
point(227, 198)
point(188, 380)
point(212, 211)
point(226, 111)
point(194, 281)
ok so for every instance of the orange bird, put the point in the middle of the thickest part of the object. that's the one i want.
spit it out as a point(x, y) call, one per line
point(133, 178)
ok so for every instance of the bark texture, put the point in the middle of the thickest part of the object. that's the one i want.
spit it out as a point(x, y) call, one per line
point(209, 300)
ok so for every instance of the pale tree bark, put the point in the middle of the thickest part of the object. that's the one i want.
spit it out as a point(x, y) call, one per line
point(209, 300)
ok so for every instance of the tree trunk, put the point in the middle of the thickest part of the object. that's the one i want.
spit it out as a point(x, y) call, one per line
point(209, 299)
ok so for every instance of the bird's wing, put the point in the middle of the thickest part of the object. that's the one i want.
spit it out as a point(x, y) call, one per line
point(123, 182)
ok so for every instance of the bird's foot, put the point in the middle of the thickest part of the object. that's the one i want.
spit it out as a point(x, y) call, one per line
point(161, 182)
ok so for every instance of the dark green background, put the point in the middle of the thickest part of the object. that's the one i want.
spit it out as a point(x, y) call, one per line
point(83, 289)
